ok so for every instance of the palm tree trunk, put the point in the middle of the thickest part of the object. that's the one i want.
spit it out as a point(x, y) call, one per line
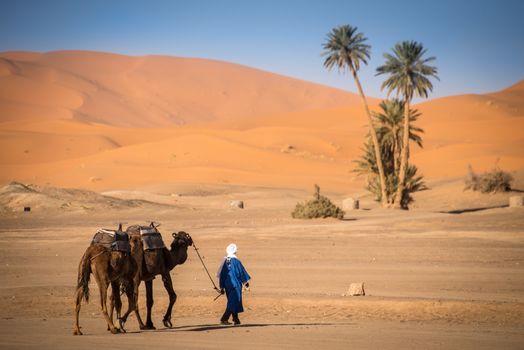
point(374, 138)
point(403, 159)
point(395, 156)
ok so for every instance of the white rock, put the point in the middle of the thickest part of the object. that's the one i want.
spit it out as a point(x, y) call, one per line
point(350, 204)
point(356, 289)
point(237, 204)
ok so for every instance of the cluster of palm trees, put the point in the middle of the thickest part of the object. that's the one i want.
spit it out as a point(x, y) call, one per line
point(386, 153)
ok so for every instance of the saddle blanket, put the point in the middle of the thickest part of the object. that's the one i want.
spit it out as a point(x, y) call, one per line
point(151, 238)
point(112, 239)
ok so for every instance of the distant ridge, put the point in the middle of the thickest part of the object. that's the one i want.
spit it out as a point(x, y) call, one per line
point(149, 91)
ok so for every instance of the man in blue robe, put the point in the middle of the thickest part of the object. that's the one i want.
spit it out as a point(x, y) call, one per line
point(232, 275)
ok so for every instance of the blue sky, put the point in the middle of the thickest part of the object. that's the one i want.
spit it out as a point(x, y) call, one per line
point(479, 45)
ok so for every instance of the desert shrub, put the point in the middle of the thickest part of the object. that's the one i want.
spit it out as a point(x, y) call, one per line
point(367, 166)
point(414, 183)
point(495, 180)
point(319, 207)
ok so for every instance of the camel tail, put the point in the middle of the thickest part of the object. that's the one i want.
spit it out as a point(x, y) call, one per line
point(84, 275)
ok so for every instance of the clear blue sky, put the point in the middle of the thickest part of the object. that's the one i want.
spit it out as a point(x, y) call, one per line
point(479, 45)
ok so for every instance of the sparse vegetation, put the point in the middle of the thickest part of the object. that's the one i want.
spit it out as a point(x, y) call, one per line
point(319, 207)
point(390, 134)
point(408, 75)
point(495, 180)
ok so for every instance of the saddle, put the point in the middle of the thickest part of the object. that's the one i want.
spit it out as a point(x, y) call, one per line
point(152, 245)
point(151, 238)
point(113, 240)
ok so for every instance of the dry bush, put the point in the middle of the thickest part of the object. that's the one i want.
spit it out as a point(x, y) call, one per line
point(319, 207)
point(495, 180)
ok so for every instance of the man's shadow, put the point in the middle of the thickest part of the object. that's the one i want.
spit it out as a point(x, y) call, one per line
point(214, 327)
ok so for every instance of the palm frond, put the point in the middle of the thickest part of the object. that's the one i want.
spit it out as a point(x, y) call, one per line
point(345, 49)
point(408, 71)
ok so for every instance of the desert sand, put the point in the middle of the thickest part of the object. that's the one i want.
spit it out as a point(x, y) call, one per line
point(176, 139)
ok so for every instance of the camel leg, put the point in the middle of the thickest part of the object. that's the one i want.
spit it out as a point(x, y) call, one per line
point(103, 285)
point(78, 301)
point(131, 302)
point(111, 308)
point(115, 302)
point(149, 304)
point(137, 313)
point(168, 284)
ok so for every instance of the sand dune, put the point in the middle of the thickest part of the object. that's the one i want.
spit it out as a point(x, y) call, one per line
point(149, 91)
point(77, 119)
point(480, 130)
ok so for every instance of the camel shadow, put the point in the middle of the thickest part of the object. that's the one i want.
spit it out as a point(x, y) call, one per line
point(215, 327)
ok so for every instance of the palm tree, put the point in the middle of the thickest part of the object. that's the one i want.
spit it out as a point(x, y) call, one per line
point(408, 76)
point(390, 130)
point(345, 48)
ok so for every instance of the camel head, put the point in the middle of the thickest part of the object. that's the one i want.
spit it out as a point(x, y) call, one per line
point(181, 240)
point(137, 247)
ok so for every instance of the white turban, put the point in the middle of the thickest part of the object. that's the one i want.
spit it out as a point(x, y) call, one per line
point(231, 250)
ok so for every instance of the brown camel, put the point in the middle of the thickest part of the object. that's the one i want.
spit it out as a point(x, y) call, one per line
point(109, 267)
point(152, 262)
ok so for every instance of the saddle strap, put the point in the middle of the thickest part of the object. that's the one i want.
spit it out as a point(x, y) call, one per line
point(102, 252)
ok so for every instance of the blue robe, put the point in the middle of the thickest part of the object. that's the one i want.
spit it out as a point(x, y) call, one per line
point(232, 276)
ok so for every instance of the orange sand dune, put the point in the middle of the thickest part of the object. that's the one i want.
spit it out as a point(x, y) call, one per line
point(477, 130)
point(102, 161)
point(148, 91)
point(62, 116)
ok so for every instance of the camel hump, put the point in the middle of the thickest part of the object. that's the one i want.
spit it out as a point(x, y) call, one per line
point(133, 230)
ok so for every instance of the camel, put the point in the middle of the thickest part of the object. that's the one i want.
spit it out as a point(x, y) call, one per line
point(154, 262)
point(109, 267)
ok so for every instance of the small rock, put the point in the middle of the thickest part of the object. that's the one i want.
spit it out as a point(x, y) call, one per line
point(237, 204)
point(356, 289)
point(350, 204)
point(287, 149)
point(516, 201)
